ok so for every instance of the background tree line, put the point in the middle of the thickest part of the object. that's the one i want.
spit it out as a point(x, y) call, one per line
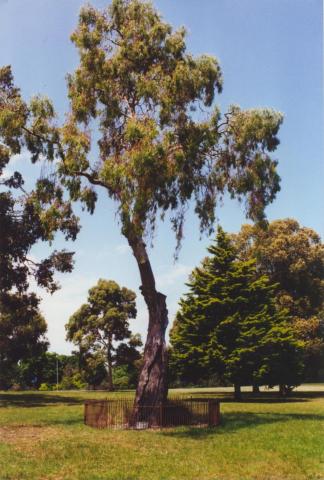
point(49, 371)
point(253, 316)
point(108, 353)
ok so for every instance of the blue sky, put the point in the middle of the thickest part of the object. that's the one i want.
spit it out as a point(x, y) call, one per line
point(271, 55)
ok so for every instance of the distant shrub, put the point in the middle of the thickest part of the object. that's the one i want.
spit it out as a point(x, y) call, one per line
point(45, 387)
point(73, 382)
point(121, 378)
point(15, 387)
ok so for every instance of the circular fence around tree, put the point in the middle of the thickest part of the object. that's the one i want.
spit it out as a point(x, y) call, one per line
point(121, 414)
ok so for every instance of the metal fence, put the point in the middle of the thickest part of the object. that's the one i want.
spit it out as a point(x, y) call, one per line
point(121, 414)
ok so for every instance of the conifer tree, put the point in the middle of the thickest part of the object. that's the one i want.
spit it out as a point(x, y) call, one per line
point(228, 324)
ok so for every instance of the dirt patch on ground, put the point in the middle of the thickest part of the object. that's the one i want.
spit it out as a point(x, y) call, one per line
point(26, 434)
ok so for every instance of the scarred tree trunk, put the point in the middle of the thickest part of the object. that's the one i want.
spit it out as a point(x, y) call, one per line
point(283, 391)
point(255, 389)
point(152, 384)
point(237, 391)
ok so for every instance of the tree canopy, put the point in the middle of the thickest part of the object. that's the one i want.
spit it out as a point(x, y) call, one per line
point(22, 333)
point(139, 83)
point(103, 321)
point(228, 324)
point(27, 217)
point(292, 256)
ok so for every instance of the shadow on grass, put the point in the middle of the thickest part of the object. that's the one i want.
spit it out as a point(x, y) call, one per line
point(273, 397)
point(36, 400)
point(228, 398)
point(43, 399)
point(262, 397)
point(234, 421)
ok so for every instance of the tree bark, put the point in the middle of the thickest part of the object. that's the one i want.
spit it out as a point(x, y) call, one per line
point(282, 390)
point(237, 391)
point(152, 387)
point(255, 389)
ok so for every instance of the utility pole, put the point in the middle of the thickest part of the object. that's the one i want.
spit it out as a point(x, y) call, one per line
point(57, 376)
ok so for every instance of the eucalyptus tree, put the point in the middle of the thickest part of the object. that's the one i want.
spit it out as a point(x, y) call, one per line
point(103, 321)
point(158, 145)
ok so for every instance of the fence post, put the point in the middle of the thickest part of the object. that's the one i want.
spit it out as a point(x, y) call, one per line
point(85, 414)
point(213, 413)
point(96, 413)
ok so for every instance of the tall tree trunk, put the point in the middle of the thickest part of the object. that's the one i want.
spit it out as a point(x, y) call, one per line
point(255, 389)
point(282, 390)
point(109, 362)
point(237, 391)
point(152, 387)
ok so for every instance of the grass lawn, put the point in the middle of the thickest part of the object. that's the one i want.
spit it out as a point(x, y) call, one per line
point(42, 436)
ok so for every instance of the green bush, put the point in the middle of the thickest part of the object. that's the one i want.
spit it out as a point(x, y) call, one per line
point(45, 387)
point(121, 378)
point(72, 382)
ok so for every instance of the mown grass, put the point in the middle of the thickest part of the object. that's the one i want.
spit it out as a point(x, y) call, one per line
point(42, 436)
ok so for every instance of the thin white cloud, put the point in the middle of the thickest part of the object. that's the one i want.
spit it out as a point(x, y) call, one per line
point(122, 249)
point(7, 173)
point(80, 252)
point(20, 157)
point(57, 308)
point(106, 253)
point(14, 160)
point(175, 274)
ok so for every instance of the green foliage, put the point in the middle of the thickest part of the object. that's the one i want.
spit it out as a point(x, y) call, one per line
point(121, 378)
point(104, 320)
point(140, 91)
point(22, 334)
point(34, 215)
point(45, 387)
point(293, 257)
point(106, 315)
point(21, 229)
point(25, 219)
point(139, 87)
point(72, 381)
point(228, 324)
point(128, 361)
point(47, 368)
point(93, 367)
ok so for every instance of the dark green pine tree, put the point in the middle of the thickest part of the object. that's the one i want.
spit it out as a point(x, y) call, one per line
point(228, 325)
